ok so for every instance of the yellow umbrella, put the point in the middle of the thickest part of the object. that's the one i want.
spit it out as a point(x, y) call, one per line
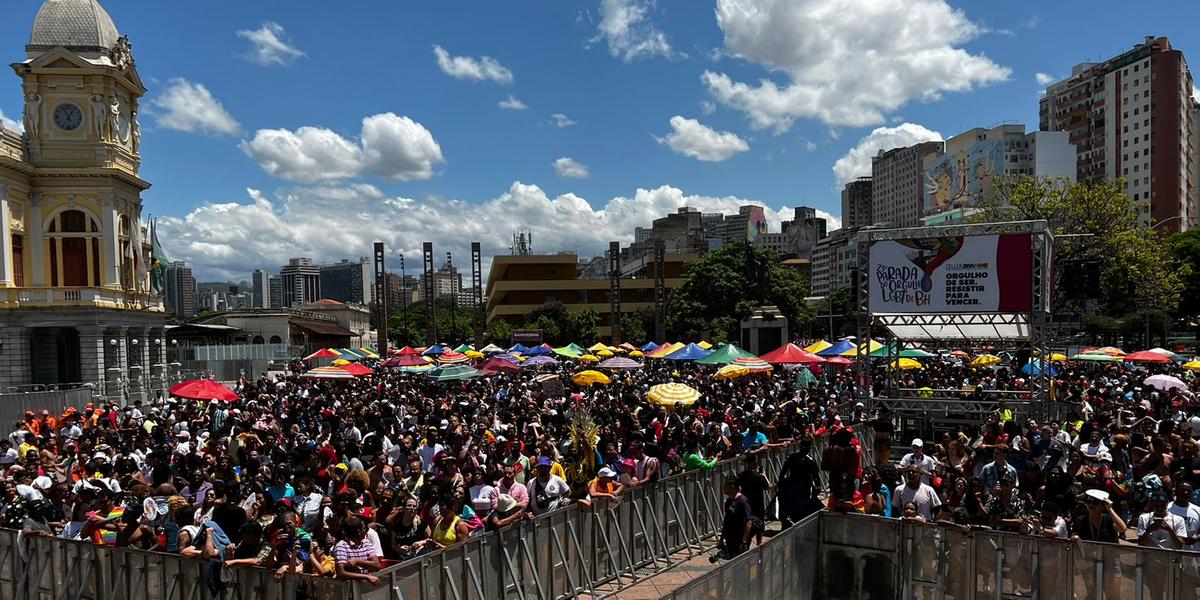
point(473, 354)
point(673, 394)
point(590, 377)
point(731, 371)
point(636, 354)
point(606, 353)
point(589, 358)
point(597, 347)
point(341, 361)
point(704, 345)
point(1192, 366)
point(906, 363)
point(985, 360)
point(818, 346)
point(1057, 357)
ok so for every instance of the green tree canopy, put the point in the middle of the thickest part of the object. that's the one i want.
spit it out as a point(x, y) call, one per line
point(722, 287)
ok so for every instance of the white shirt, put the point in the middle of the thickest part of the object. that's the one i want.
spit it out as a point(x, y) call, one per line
point(1191, 518)
point(1160, 538)
point(9, 456)
point(925, 498)
point(427, 453)
point(926, 462)
point(554, 488)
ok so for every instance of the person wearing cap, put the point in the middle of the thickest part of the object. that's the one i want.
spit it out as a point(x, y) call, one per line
point(604, 485)
point(546, 491)
point(917, 459)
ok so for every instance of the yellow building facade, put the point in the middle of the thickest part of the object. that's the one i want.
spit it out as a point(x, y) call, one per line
point(75, 298)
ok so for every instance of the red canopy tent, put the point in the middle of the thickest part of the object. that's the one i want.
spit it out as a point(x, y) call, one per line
point(408, 350)
point(357, 370)
point(499, 365)
point(405, 360)
point(1148, 357)
point(322, 353)
point(839, 361)
point(203, 389)
point(791, 354)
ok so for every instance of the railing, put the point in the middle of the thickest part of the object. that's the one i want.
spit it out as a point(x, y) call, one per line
point(79, 296)
point(860, 557)
point(241, 352)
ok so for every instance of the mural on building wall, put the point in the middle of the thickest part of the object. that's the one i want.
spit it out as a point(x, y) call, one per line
point(756, 224)
point(961, 179)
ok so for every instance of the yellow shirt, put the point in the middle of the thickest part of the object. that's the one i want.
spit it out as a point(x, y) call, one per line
point(446, 536)
point(555, 469)
point(25, 447)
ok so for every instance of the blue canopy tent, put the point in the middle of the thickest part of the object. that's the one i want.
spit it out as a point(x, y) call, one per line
point(649, 346)
point(1035, 368)
point(519, 348)
point(836, 349)
point(688, 352)
point(538, 351)
point(434, 350)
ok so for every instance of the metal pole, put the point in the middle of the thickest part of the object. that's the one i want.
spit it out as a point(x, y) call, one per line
point(404, 300)
point(381, 301)
point(453, 296)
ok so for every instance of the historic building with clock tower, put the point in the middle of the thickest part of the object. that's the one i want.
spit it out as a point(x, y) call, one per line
point(76, 304)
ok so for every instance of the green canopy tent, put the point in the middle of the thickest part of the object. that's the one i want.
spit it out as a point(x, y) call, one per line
point(464, 348)
point(454, 373)
point(579, 350)
point(567, 352)
point(724, 355)
point(903, 353)
point(804, 378)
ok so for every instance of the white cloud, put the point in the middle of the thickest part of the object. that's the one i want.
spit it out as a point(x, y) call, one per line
point(832, 222)
point(708, 107)
point(701, 142)
point(10, 124)
point(512, 103)
point(846, 62)
point(229, 240)
point(1196, 93)
point(627, 30)
point(561, 120)
point(188, 106)
point(271, 45)
point(810, 145)
point(857, 162)
point(1044, 79)
point(484, 68)
point(569, 167)
point(390, 146)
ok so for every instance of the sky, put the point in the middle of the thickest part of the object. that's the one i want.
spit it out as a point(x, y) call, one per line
point(282, 128)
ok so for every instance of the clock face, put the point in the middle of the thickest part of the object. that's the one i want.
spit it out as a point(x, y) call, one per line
point(67, 116)
point(123, 127)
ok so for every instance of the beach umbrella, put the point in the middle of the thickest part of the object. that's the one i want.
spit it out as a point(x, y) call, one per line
point(434, 350)
point(791, 354)
point(636, 354)
point(357, 370)
point(915, 353)
point(543, 378)
point(580, 350)
point(673, 394)
point(1166, 353)
point(566, 352)
point(620, 363)
point(328, 373)
point(839, 361)
point(406, 360)
point(1057, 357)
point(605, 353)
point(905, 364)
point(499, 365)
point(454, 373)
point(473, 354)
point(539, 351)
point(419, 368)
point(450, 357)
point(1164, 382)
point(817, 346)
point(538, 361)
point(589, 358)
point(340, 361)
point(203, 389)
point(753, 363)
point(731, 371)
point(463, 348)
point(961, 354)
point(586, 378)
point(597, 347)
point(985, 360)
point(836, 349)
point(1192, 366)
point(1112, 350)
point(1095, 356)
point(1035, 368)
point(648, 347)
point(491, 349)
point(804, 378)
point(407, 350)
point(1147, 357)
point(688, 352)
point(626, 346)
point(723, 355)
point(322, 353)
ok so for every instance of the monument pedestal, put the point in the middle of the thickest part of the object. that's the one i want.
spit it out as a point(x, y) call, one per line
point(764, 329)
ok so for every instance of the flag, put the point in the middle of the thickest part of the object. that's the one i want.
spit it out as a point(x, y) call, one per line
point(158, 261)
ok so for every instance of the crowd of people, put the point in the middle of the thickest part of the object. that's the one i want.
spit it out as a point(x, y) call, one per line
point(340, 477)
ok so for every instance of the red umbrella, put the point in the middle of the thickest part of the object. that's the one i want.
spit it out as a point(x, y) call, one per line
point(791, 354)
point(1148, 357)
point(407, 350)
point(357, 370)
point(405, 360)
point(499, 365)
point(839, 361)
point(322, 353)
point(203, 389)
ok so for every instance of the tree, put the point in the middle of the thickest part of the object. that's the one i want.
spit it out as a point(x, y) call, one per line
point(721, 288)
point(581, 327)
point(636, 326)
point(1094, 223)
point(500, 332)
point(1185, 247)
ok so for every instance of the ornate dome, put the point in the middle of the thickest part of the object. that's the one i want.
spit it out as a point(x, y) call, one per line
point(78, 25)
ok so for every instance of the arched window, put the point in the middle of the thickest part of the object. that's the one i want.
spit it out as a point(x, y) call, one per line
point(276, 340)
point(258, 339)
point(74, 239)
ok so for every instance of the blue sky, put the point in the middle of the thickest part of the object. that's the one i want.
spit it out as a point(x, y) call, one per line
point(662, 104)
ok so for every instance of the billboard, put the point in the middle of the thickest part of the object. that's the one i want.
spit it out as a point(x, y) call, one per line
point(966, 274)
point(960, 179)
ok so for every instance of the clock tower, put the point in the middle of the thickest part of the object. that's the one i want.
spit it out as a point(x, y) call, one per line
point(76, 304)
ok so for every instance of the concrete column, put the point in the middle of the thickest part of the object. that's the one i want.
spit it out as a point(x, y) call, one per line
point(92, 355)
point(33, 230)
point(136, 345)
point(14, 357)
point(157, 348)
point(6, 262)
point(110, 246)
point(118, 363)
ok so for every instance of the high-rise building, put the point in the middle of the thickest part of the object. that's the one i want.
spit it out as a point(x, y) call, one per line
point(261, 289)
point(749, 223)
point(1133, 117)
point(856, 203)
point(897, 184)
point(275, 285)
point(798, 236)
point(301, 282)
point(975, 162)
point(400, 291)
point(447, 281)
point(348, 281)
point(180, 290)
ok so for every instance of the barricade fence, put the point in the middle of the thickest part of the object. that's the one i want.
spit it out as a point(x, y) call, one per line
point(854, 557)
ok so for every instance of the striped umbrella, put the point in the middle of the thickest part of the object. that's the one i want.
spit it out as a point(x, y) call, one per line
point(673, 394)
point(753, 363)
point(451, 357)
point(418, 368)
point(328, 373)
